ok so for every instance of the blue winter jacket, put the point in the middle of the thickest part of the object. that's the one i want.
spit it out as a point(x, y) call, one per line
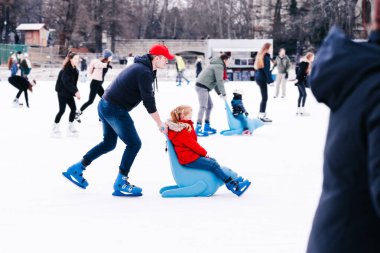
point(133, 85)
point(264, 75)
point(346, 77)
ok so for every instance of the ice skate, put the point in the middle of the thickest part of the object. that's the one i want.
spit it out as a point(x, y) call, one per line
point(17, 103)
point(199, 132)
point(303, 112)
point(71, 130)
point(56, 132)
point(75, 174)
point(208, 129)
point(122, 188)
point(263, 118)
point(77, 116)
point(237, 186)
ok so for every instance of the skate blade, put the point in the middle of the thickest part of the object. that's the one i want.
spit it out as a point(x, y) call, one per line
point(244, 189)
point(68, 176)
point(120, 194)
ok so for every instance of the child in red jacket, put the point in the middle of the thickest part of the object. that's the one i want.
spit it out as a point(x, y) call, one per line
point(190, 154)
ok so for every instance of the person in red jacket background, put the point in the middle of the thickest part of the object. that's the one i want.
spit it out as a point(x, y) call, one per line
point(191, 154)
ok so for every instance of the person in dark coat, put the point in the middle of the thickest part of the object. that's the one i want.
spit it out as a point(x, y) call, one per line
point(132, 86)
point(23, 85)
point(346, 77)
point(198, 66)
point(303, 72)
point(263, 77)
point(66, 87)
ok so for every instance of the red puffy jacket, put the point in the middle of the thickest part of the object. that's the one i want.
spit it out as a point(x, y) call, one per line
point(185, 143)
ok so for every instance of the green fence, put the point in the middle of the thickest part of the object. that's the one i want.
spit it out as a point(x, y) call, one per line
point(6, 49)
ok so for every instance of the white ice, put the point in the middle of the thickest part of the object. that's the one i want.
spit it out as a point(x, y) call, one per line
point(40, 211)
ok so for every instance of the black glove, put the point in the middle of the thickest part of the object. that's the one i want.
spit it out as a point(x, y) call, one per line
point(109, 66)
point(246, 114)
point(286, 75)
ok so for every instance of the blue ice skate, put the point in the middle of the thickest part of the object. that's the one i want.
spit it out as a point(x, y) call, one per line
point(191, 182)
point(236, 128)
point(208, 129)
point(75, 174)
point(238, 186)
point(122, 188)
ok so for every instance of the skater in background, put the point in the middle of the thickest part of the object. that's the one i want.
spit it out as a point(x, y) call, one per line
point(66, 88)
point(130, 60)
point(13, 64)
point(239, 112)
point(192, 155)
point(263, 77)
point(210, 78)
point(83, 69)
point(98, 69)
point(198, 66)
point(181, 67)
point(25, 66)
point(302, 82)
point(282, 62)
point(346, 77)
point(131, 86)
point(23, 85)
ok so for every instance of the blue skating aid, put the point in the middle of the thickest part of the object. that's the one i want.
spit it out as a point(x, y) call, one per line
point(235, 125)
point(122, 188)
point(191, 182)
point(75, 174)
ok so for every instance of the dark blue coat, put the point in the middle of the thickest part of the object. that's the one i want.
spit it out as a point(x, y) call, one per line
point(237, 105)
point(133, 85)
point(264, 75)
point(346, 77)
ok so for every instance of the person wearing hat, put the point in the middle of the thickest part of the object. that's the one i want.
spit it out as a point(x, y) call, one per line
point(239, 112)
point(346, 78)
point(133, 85)
point(97, 70)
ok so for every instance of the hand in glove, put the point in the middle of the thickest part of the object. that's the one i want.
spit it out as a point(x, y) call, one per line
point(246, 114)
point(222, 96)
point(286, 75)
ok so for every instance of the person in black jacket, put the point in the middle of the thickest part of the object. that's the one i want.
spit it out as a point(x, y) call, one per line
point(66, 87)
point(133, 85)
point(346, 77)
point(23, 85)
point(263, 77)
point(303, 72)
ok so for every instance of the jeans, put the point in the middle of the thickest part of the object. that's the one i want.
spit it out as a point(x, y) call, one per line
point(205, 104)
point(264, 95)
point(116, 123)
point(244, 121)
point(180, 76)
point(302, 97)
point(63, 101)
point(95, 88)
point(209, 164)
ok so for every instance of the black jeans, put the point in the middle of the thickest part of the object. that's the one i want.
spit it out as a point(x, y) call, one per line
point(63, 101)
point(264, 94)
point(302, 96)
point(95, 88)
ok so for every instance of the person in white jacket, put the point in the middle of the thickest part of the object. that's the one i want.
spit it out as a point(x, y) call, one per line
point(97, 71)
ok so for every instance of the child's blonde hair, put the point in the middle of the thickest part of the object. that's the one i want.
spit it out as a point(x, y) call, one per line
point(179, 111)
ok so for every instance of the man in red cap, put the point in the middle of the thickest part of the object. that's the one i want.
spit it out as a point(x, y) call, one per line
point(130, 87)
point(348, 214)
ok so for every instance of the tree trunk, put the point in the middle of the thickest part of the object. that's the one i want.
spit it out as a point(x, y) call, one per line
point(69, 25)
point(163, 22)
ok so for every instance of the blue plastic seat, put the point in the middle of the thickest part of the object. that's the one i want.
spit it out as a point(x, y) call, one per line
point(191, 182)
point(235, 125)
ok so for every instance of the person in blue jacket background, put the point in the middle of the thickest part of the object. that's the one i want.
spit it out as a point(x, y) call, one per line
point(133, 85)
point(346, 77)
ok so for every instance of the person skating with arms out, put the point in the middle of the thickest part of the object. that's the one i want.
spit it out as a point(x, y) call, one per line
point(133, 85)
point(192, 155)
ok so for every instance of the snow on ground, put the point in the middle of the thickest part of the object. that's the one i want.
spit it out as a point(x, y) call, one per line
point(41, 211)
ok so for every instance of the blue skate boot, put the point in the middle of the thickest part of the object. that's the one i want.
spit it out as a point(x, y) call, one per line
point(75, 174)
point(199, 132)
point(238, 185)
point(209, 129)
point(122, 188)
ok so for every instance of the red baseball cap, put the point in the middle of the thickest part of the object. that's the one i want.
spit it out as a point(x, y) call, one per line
point(159, 49)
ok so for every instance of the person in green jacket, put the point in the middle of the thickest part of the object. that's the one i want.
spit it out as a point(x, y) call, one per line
point(210, 78)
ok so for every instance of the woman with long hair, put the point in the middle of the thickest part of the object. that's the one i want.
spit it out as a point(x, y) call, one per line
point(66, 87)
point(263, 77)
point(302, 74)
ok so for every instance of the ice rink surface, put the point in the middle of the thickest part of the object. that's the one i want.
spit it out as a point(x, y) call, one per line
point(40, 211)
